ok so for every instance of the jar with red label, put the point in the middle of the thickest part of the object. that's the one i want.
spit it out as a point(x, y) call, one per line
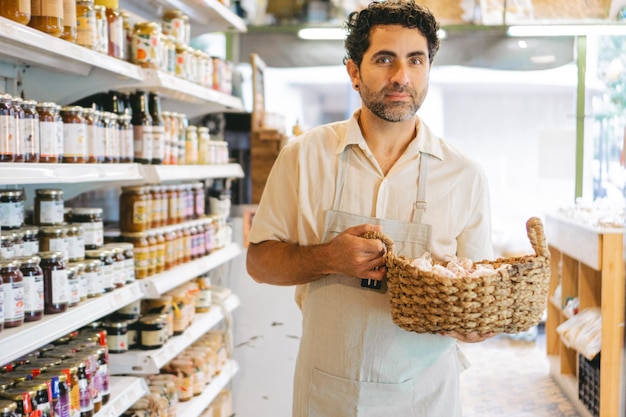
point(33, 288)
point(56, 286)
point(13, 289)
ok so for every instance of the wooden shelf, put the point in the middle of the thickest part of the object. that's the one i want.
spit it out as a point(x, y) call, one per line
point(588, 263)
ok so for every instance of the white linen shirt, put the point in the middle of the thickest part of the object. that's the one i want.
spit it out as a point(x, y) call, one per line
point(301, 188)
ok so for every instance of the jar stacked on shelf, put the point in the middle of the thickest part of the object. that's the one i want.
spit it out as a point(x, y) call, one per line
point(101, 26)
point(48, 132)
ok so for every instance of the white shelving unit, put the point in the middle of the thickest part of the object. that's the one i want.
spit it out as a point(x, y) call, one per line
point(143, 362)
point(18, 341)
point(125, 391)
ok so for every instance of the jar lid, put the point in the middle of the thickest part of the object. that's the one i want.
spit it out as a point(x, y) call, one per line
point(86, 210)
point(49, 191)
point(115, 324)
point(78, 266)
point(16, 99)
point(11, 193)
point(97, 253)
point(151, 319)
point(33, 384)
point(109, 4)
point(46, 105)
point(28, 260)
point(17, 394)
point(72, 109)
point(55, 230)
point(9, 264)
point(30, 102)
point(51, 255)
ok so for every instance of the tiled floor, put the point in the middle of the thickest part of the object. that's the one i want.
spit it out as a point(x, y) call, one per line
point(511, 378)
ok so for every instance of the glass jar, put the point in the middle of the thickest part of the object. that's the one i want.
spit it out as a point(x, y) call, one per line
point(73, 284)
point(160, 251)
point(175, 23)
point(134, 209)
point(152, 331)
point(53, 239)
point(152, 252)
point(60, 393)
point(101, 30)
point(31, 240)
point(87, 35)
point(75, 235)
point(48, 208)
point(85, 389)
point(24, 399)
point(116, 46)
point(119, 276)
point(74, 135)
point(83, 289)
point(204, 141)
point(13, 288)
point(16, 10)
point(7, 247)
point(91, 121)
point(117, 335)
point(49, 146)
point(47, 16)
point(129, 261)
point(141, 251)
point(7, 129)
point(191, 145)
point(11, 208)
point(69, 21)
point(8, 408)
point(203, 299)
point(56, 286)
point(106, 267)
point(90, 218)
point(31, 131)
point(93, 277)
point(33, 288)
point(41, 398)
point(146, 42)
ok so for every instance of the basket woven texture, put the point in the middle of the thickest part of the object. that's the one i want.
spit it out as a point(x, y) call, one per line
point(511, 301)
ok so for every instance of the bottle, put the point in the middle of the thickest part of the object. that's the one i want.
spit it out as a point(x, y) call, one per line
point(158, 129)
point(142, 128)
point(70, 30)
point(47, 16)
point(115, 29)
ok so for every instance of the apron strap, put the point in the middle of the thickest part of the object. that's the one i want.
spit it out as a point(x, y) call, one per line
point(342, 175)
point(419, 206)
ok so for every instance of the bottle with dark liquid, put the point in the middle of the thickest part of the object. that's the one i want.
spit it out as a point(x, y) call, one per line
point(158, 129)
point(142, 128)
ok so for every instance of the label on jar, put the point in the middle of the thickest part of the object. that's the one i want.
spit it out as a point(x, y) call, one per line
point(74, 400)
point(48, 143)
point(33, 293)
point(93, 233)
point(44, 409)
point(176, 28)
point(117, 343)
point(31, 136)
point(59, 245)
point(118, 273)
point(51, 212)
point(69, 13)
point(74, 287)
point(83, 286)
point(50, 8)
point(7, 252)
point(61, 406)
point(107, 276)
point(144, 49)
point(142, 142)
point(141, 259)
point(31, 247)
point(12, 214)
point(95, 144)
point(203, 299)
point(153, 338)
point(60, 287)
point(94, 282)
point(13, 301)
point(74, 140)
point(140, 215)
point(8, 145)
point(86, 31)
point(158, 147)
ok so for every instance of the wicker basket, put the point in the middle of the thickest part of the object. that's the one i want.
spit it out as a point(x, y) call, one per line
point(511, 301)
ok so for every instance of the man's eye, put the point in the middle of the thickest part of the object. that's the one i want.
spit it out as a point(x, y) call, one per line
point(383, 60)
point(415, 61)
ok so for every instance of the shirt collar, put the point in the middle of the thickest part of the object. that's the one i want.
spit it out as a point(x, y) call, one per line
point(426, 140)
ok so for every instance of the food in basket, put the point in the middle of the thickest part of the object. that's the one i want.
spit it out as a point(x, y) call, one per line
point(456, 267)
point(511, 300)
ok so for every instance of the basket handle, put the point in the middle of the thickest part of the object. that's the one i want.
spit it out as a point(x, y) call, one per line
point(387, 241)
point(537, 237)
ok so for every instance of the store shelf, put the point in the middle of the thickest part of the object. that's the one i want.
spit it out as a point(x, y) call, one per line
point(143, 362)
point(165, 173)
point(156, 285)
point(568, 384)
point(206, 15)
point(42, 173)
point(197, 405)
point(125, 391)
point(21, 340)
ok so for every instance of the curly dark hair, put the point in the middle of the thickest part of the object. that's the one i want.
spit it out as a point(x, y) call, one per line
point(406, 13)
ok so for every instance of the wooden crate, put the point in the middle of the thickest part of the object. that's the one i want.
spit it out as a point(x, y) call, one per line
point(265, 145)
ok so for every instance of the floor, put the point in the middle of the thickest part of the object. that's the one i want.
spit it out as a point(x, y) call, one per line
point(510, 377)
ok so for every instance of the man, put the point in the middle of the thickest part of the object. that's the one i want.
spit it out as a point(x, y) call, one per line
point(381, 170)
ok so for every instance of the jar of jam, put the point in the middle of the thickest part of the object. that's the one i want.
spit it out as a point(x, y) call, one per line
point(8, 147)
point(117, 335)
point(111, 137)
point(24, 400)
point(7, 246)
point(87, 35)
point(11, 208)
point(203, 299)
point(191, 145)
point(13, 289)
point(8, 408)
point(54, 239)
point(59, 388)
point(93, 226)
point(129, 312)
point(146, 41)
point(30, 131)
point(47, 16)
point(73, 285)
point(16, 10)
point(93, 278)
point(134, 209)
point(49, 146)
point(152, 331)
point(106, 266)
point(48, 209)
point(31, 240)
point(33, 288)
point(55, 283)
point(41, 398)
point(74, 135)
point(119, 276)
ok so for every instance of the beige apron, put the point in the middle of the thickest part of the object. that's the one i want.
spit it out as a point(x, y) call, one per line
point(353, 361)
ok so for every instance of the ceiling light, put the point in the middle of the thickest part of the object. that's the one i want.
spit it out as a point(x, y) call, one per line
point(322, 34)
point(442, 34)
point(522, 44)
point(566, 30)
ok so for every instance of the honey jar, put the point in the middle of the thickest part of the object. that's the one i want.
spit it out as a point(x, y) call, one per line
point(69, 21)
point(16, 10)
point(47, 16)
point(134, 203)
point(87, 35)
